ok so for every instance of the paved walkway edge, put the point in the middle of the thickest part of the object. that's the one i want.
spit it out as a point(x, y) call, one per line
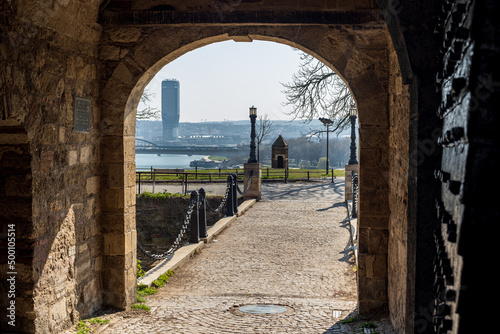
point(184, 253)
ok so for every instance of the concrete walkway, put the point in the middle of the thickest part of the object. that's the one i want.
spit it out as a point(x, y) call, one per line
point(272, 189)
point(291, 249)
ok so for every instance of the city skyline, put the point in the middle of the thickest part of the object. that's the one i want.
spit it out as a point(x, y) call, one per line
point(223, 80)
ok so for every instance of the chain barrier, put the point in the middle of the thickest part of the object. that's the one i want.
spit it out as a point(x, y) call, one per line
point(248, 184)
point(355, 194)
point(177, 241)
point(222, 203)
point(230, 194)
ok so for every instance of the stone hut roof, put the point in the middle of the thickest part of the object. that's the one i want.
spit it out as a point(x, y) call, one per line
point(280, 142)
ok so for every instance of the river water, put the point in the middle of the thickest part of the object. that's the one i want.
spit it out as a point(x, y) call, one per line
point(146, 161)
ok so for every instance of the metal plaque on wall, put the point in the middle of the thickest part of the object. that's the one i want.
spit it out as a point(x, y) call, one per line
point(81, 122)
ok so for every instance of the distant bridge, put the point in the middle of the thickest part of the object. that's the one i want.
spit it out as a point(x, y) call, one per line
point(143, 146)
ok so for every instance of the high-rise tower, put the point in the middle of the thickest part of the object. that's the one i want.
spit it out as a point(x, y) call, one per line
point(170, 108)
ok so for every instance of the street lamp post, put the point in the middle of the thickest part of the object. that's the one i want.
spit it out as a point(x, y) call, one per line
point(253, 117)
point(352, 115)
point(326, 122)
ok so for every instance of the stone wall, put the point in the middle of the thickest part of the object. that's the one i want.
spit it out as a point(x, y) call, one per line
point(46, 61)
point(159, 221)
point(399, 272)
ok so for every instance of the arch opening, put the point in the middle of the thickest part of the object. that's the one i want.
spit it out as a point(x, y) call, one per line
point(373, 78)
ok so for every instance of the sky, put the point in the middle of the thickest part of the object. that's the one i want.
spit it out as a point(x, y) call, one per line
point(223, 80)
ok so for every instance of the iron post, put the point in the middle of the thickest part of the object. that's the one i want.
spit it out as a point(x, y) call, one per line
point(195, 223)
point(253, 117)
point(229, 200)
point(353, 160)
point(202, 212)
point(235, 193)
point(327, 122)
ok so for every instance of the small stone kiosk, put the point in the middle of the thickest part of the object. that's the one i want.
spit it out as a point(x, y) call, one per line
point(279, 153)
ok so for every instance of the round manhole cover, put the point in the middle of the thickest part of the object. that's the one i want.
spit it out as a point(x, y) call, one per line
point(263, 309)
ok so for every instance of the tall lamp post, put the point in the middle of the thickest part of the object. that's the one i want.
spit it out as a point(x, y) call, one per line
point(326, 122)
point(352, 115)
point(253, 117)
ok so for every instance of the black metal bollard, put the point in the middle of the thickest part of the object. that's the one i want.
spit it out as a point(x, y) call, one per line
point(229, 200)
point(235, 193)
point(202, 213)
point(195, 232)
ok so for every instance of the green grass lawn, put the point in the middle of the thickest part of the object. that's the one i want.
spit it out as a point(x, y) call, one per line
point(266, 174)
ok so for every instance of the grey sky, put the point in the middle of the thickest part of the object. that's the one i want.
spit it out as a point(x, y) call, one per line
point(222, 80)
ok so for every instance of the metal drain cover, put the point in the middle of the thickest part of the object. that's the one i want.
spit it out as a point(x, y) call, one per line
point(263, 309)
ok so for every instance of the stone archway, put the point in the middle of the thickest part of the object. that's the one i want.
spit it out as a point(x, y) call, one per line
point(361, 55)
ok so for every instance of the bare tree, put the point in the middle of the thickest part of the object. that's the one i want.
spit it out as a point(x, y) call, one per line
point(148, 112)
point(316, 91)
point(264, 128)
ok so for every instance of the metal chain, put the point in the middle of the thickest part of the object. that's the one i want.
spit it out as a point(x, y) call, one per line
point(355, 194)
point(248, 185)
point(223, 202)
point(177, 240)
point(187, 220)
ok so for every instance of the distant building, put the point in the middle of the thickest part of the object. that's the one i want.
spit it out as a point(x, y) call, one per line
point(170, 108)
point(279, 153)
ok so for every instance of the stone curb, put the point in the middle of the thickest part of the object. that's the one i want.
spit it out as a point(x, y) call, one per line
point(184, 253)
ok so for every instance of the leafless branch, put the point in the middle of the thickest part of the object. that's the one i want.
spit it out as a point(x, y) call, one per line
point(148, 112)
point(264, 128)
point(316, 91)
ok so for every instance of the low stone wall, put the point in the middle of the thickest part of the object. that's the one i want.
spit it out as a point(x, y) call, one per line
point(159, 221)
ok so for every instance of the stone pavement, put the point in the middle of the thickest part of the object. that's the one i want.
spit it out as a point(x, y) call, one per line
point(274, 190)
point(291, 250)
point(312, 191)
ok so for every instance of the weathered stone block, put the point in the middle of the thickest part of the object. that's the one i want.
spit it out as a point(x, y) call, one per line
point(72, 157)
point(124, 35)
point(123, 74)
point(112, 198)
point(372, 289)
point(378, 307)
point(46, 160)
point(116, 176)
point(369, 221)
point(49, 134)
point(109, 52)
point(92, 185)
point(115, 244)
point(58, 311)
point(114, 279)
point(372, 265)
point(375, 202)
point(85, 155)
point(111, 149)
point(373, 241)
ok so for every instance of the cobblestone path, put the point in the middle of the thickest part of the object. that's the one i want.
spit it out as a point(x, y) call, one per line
point(288, 253)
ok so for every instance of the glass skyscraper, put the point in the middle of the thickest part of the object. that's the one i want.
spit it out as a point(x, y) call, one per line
point(170, 108)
